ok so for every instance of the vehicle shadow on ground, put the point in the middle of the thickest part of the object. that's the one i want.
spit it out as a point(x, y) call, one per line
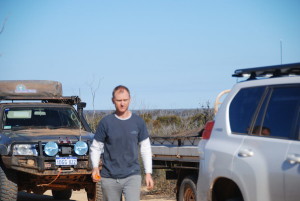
point(23, 196)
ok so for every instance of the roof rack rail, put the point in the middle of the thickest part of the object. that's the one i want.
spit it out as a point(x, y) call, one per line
point(269, 71)
point(71, 100)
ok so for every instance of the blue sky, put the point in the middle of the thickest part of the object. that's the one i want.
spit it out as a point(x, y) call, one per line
point(172, 54)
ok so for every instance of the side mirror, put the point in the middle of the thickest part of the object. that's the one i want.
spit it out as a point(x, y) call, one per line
point(81, 105)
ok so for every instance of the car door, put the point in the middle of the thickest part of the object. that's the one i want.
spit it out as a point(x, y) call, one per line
point(291, 169)
point(244, 168)
point(260, 160)
point(271, 144)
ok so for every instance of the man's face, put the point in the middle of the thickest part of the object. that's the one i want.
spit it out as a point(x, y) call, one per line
point(121, 100)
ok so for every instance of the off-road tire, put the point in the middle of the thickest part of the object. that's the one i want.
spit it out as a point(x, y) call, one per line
point(187, 190)
point(94, 192)
point(8, 187)
point(62, 194)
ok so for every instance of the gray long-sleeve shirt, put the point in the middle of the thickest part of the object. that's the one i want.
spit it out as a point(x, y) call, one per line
point(120, 140)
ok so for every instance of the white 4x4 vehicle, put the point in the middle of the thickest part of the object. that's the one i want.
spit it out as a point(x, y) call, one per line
point(251, 152)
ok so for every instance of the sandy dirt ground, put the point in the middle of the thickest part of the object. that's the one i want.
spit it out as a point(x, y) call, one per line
point(79, 196)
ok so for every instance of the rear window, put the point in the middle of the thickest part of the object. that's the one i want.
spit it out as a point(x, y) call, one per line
point(243, 107)
point(271, 111)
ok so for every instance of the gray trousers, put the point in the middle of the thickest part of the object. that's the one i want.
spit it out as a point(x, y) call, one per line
point(112, 189)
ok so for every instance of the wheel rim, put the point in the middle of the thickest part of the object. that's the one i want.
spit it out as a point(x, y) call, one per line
point(189, 194)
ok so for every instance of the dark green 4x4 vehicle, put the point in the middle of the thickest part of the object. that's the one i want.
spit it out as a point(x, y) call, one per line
point(44, 141)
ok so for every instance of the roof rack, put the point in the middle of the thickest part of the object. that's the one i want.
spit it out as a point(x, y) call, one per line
point(71, 100)
point(269, 71)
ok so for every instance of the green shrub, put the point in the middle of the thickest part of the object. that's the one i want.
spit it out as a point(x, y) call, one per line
point(167, 120)
point(147, 116)
point(197, 120)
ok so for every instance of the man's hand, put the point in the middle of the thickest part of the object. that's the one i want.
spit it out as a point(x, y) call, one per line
point(96, 174)
point(149, 181)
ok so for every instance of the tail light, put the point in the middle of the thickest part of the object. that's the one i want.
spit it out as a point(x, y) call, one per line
point(207, 130)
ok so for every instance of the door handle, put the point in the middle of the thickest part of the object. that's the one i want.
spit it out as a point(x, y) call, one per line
point(293, 158)
point(245, 153)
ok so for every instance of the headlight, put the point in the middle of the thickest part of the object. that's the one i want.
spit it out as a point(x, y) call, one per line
point(25, 149)
point(80, 148)
point(51, 148)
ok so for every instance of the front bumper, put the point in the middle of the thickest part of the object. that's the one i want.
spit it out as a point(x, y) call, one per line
point(41, 165)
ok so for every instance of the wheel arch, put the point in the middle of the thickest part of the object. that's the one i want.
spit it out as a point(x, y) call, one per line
point(224, 189)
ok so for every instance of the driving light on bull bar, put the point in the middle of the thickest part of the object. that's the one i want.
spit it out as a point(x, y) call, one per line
point(25, 149)
point(51, 148)
point(81, 148)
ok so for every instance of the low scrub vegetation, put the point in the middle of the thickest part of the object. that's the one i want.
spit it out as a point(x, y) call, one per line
point(163, 122)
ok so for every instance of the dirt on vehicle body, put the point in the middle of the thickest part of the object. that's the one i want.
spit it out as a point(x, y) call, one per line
point(44, 141)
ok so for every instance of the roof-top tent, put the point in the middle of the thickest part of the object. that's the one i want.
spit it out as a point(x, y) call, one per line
point(44, 90)
point(273, 71)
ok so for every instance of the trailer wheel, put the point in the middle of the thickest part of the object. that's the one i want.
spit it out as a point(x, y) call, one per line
point(62, 194)
point(8, 187)
point(94, 192)
point(187, 190)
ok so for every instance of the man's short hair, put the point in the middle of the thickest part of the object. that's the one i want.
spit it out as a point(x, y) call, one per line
point(120, 88)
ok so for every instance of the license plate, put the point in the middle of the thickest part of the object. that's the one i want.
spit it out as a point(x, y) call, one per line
point(66, 161)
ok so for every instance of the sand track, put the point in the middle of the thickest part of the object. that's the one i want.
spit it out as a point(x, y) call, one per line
point(77, 196)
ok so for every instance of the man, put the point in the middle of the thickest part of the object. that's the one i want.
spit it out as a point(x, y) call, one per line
point(118, 137)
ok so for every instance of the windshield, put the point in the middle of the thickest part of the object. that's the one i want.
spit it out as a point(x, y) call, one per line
point(40, 118)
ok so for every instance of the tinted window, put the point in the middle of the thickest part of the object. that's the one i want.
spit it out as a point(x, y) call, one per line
point(40, 117)
point(279, 113)
point(243, 107)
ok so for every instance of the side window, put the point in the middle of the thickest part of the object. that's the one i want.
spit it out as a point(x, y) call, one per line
point(280, 113)
point(243, 107)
